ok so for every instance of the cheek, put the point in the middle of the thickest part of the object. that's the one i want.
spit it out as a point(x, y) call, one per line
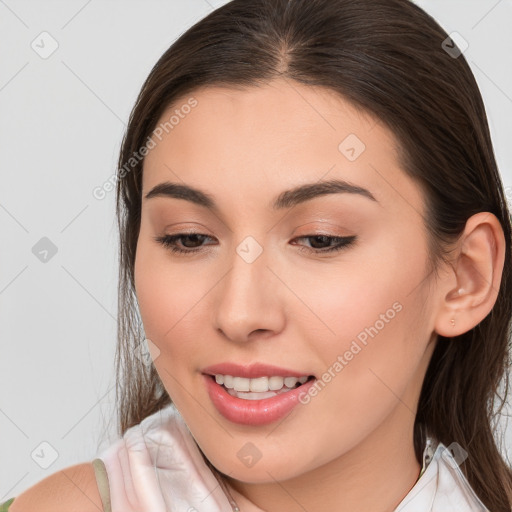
point(168, 298)
point(168, 301)
point(372, 359)
point(362, 296)
point(370, 327)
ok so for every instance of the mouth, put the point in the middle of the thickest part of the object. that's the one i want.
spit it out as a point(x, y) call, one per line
point(255, 395)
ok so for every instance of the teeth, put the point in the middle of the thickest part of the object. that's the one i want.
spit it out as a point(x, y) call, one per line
point(241, 384)
point(290, 382)
point(275, 383)
point(258, 385)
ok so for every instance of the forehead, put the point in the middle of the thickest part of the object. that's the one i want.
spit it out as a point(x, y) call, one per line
point(273, 136)
point(289, 110)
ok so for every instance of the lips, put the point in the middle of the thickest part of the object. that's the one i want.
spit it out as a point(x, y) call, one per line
point(252, 410)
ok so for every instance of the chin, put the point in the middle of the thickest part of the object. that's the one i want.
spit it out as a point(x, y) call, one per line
point(262, 471)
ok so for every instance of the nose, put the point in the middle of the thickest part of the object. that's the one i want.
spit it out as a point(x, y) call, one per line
point(249, 301)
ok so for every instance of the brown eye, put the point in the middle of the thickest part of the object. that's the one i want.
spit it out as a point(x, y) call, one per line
point(324, 243)
point(191, 242)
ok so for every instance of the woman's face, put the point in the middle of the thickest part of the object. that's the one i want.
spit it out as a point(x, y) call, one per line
point(259, 287)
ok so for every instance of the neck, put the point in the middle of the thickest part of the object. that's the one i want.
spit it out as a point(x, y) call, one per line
point(374, 475)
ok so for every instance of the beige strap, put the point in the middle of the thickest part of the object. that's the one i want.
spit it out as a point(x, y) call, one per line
point(100, 472)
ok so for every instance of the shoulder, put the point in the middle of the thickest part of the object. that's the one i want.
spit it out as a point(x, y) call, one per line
point(72, 489)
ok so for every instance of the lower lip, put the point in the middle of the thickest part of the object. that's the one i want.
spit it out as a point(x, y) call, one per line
point(254, 412)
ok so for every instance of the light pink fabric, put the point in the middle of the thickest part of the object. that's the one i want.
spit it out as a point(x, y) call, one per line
point(157, 467)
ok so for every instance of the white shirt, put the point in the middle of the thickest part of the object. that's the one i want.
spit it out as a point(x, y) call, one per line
point(157, 467)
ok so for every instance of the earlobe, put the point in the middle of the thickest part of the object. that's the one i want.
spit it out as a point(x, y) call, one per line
point(476, 271)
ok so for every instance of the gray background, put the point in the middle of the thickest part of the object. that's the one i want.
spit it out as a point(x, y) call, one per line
point(61, 124)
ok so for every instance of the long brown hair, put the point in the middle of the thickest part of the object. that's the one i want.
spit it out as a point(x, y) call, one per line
point(387, 58)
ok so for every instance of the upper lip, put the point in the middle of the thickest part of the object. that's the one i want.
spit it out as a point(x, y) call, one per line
point(252, 371)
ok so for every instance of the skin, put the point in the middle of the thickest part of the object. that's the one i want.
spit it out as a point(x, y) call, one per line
point(351, 447)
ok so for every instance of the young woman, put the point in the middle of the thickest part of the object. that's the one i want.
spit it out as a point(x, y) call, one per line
point(315, 249)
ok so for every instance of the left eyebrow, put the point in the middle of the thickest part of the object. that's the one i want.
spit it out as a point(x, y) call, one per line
point(309, 191)
point(285, 199)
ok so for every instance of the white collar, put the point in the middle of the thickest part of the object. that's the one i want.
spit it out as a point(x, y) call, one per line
point(442, 487)
point(157, 466)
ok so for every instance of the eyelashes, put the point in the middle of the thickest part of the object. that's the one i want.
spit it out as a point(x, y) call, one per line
point(341, 242)
point(170, 243)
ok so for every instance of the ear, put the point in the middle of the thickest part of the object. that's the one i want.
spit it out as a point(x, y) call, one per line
point(470, 290)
